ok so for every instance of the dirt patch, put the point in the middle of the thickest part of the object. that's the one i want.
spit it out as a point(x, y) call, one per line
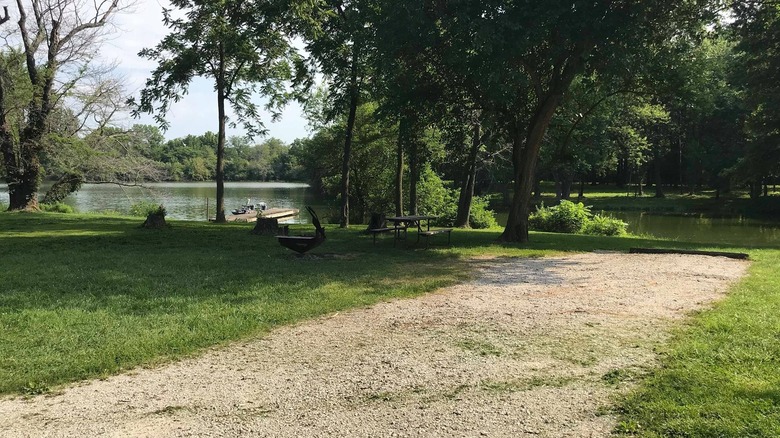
point(533, 347)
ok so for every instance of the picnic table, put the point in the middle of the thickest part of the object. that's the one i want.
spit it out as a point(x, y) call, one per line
point(403, 223)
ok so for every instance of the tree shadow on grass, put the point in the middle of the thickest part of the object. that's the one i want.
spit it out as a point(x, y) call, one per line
point(82, 298)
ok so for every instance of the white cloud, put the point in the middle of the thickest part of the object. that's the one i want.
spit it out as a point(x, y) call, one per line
point(196, 113)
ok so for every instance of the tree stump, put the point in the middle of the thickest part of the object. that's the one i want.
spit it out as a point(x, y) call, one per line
point(154, 220)
point(265, 226)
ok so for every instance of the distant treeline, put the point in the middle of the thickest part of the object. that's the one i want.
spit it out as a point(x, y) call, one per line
point(194, 158)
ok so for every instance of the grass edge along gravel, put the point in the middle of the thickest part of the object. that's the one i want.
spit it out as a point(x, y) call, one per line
point(720, 373)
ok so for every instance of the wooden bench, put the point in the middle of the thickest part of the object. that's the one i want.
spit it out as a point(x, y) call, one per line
point(375, 231)
point(430, 233)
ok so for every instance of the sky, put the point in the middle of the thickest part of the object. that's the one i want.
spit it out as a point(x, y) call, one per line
point(196, 113)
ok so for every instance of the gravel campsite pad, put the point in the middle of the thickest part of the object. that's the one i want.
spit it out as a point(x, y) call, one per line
point(532, 347)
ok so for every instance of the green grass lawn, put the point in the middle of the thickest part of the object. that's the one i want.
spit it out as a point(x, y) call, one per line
point(87, 296)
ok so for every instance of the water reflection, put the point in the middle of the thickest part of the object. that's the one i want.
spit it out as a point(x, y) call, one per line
point(699, 228)
point(189, 201)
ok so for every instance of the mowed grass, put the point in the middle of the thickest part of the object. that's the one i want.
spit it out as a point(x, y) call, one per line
point(88, 296)
point(720, 376)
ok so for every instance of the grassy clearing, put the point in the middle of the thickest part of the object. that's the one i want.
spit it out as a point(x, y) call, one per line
point(87, 296)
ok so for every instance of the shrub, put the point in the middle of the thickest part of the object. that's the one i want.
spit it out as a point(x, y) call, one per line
point(481, 216)
point(600, 225)
point(57, 207)
point(159, 211)
point(566, 217)
point(144, 208)
point(436, 199)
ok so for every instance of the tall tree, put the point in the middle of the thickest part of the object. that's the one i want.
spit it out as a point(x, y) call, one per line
point(337, 44)
point(405, 45)
point(59, 39)
point(242, 46)
point(757, 26)
point(523, 57)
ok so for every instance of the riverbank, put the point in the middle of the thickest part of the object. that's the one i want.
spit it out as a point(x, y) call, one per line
point(90, 296)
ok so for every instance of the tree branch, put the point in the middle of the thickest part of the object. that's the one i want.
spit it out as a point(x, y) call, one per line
point(121, 184)
point(6, 17)
point(590, 110)
point(99, 21)
point(536, 81)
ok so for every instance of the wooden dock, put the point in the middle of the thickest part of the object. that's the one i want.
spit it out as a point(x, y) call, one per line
point(272, 213)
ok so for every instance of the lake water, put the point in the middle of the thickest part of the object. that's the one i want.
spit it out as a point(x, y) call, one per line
point(187, 201)
point(699, 228)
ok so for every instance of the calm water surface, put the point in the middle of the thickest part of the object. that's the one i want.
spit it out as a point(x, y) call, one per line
point(702, 229)
point(188, 201)
point(698, 228)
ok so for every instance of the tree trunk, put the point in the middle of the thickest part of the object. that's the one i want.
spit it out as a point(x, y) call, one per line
point(22, 162)
point(537, 188)
point(659, 190)
point(23, 186)
point(414, 173)
point(581, 194)
point(399, 168)
point(345, 165)
point(467, 188)
point(754, 188)
point(221, 138)
point(566, 186)
point(524, 156)
point(626, 174)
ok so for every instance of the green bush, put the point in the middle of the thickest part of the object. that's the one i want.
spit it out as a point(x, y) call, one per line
point(57, 207)
point(436, 199)
point(159, 211)
point(600, 225)
point(566, 217)
point(145, 208)
point(481, 216)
